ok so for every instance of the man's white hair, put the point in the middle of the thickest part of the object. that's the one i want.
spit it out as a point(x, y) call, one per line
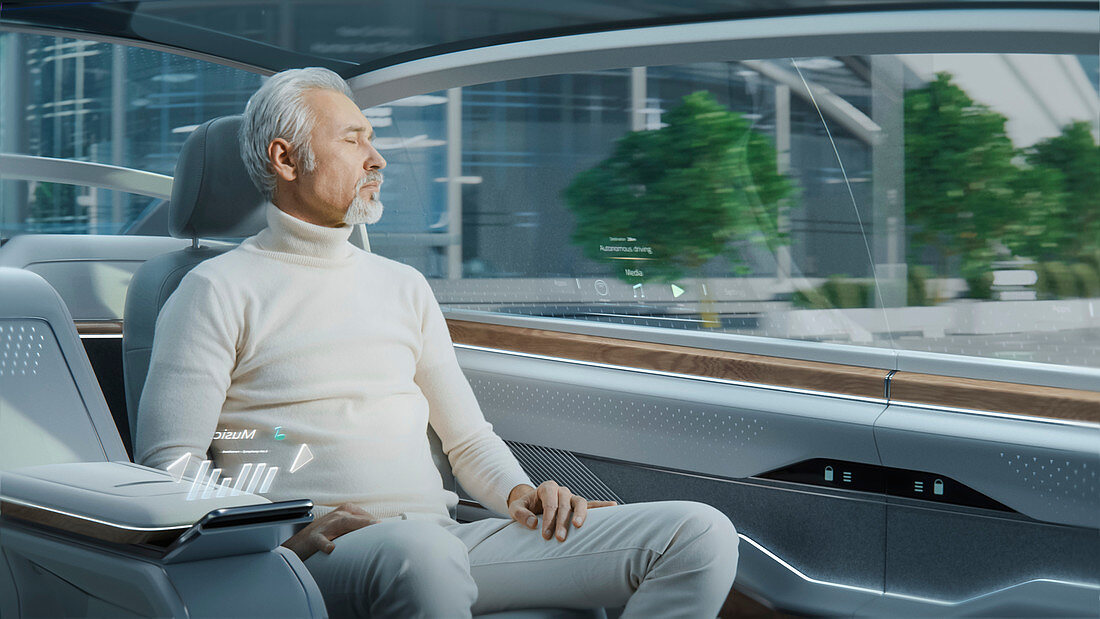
point(278, 110)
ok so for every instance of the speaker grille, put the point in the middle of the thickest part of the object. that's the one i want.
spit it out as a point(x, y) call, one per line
point(543, 463)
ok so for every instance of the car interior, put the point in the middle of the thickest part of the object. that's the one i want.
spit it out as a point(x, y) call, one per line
point(900, 414)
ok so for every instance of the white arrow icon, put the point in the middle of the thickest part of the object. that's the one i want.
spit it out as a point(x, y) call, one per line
point(676, 291)
point(304, 457)
point(177, 468)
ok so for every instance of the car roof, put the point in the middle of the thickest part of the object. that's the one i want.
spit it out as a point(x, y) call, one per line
point(353, 37)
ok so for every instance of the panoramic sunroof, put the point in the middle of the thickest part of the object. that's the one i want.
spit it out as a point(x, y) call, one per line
point(352, 36)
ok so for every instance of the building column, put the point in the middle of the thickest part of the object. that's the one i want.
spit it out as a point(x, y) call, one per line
point(454, 183)
point(118, 125)
point(888, 179)
point(14, 196)
point(783, 166)
point(638, 108)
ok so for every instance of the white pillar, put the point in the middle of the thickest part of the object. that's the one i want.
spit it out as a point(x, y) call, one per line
point(118, 122)
point(454, 186)
point(783, 165)
point(637, 99)
point(888, 180)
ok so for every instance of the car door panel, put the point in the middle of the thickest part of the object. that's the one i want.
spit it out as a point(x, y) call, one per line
point(678, 423)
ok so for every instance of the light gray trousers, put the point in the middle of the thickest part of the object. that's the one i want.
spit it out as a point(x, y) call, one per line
point(660, 559)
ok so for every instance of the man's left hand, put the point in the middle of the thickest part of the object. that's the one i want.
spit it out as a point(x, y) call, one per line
point(556, 504)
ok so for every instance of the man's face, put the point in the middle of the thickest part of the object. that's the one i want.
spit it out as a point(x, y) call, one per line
point(347, 169)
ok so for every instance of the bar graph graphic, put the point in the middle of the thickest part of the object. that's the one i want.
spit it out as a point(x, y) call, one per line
point(208, 483)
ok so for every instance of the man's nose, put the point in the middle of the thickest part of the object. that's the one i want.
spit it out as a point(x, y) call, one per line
point(374, 160)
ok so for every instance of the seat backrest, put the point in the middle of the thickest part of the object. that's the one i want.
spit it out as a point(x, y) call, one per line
point(212, 196)
point(51, 407)
point(149, 289)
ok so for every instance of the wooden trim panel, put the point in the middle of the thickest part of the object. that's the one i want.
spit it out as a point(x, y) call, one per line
point(827, 377)
point(98, 327)
point(928, 389)
point(89, 528)
point(991, 395)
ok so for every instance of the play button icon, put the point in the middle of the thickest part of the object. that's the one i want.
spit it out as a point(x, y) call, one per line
point(676, 291)
point(304, 457)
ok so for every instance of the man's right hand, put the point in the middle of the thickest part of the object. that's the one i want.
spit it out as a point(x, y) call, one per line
point(318, 535)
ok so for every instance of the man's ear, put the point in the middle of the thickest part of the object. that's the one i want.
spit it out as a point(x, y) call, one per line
point(282, 162)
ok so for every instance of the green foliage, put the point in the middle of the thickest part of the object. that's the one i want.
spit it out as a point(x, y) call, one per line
point(1087, 279)
point(958, 171)
point(843, 293)
point(54, 202)
point(965, 193)
point(689, 190)
point(917, 286)
point(837, 292)
point(980, 285)
point(1056, 281)
point(1075, 156)
point(810, 298)
point(1038, 206)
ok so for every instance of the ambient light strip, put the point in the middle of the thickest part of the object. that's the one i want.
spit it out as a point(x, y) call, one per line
point(87, 518)
point(879, 592)
point(790, 568)
point(941, 408)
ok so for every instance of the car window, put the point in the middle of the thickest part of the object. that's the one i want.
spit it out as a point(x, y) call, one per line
point(103, 103)
point(939, 203)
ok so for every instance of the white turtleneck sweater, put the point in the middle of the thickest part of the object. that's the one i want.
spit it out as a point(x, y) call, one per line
point(344, 351)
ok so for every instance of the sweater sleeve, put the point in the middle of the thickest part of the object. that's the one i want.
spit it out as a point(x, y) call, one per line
point(194, 352)
point(481, 461)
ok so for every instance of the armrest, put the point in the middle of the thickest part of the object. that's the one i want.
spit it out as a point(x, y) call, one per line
point(126, 503)
point(116, 539)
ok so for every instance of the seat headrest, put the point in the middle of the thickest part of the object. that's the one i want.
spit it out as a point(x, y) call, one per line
point(212, 194)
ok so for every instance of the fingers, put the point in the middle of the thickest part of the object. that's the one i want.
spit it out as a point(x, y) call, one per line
point(565, 510)
point(340, 523)
point(522, 515)
point(318, 541)
point(580, 510)
point(522, 509)
point(548, 494)
point(318, 535)
point(558, 506)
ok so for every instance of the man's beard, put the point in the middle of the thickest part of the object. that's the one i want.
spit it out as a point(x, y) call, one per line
point(362, 211)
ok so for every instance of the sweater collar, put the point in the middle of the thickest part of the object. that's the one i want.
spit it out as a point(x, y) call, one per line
point(286, 233)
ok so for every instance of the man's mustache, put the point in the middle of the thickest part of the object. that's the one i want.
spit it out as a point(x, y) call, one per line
point(372, 177)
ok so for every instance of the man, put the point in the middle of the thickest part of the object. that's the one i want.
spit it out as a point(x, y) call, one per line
point(349, 353)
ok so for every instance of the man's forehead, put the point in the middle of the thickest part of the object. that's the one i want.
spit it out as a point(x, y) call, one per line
point(338, 111)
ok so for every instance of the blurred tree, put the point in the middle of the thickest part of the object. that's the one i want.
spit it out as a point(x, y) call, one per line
point(958, 175)
point(1075, 156)
point(1037, 229)
point(688, 190)
point(54, 205)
